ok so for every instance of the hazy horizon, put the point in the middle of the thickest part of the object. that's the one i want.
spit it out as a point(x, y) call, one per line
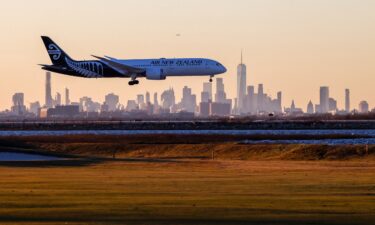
point(290, 46)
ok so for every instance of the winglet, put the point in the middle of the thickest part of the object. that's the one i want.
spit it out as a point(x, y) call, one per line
point(109, 57)
point(100, 58)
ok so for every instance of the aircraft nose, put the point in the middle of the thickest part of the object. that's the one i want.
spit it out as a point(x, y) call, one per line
point(223, 69)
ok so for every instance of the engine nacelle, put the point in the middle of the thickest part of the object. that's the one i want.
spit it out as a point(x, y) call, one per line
point(155, 74)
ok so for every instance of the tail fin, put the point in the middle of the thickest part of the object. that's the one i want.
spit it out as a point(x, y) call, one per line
point(56, 54)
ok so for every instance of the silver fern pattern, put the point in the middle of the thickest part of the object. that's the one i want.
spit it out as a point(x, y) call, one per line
point(87, 69)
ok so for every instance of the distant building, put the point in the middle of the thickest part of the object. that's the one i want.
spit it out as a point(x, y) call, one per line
point(66, 111)
point(67, 97)
point(57, 100)
point(260, 100)
point(140, 99)
point(220, 95)
point(156, 104)
point(104, 108)
point(324, 100)
point(18, 107)
point(317, 108)
point(207, 87)
point(332, 105)
point(278, 105)
point(204, 108)
point(168, 99)
point(208, 108)
point(310, 108)
point(131, 106)
point(293, 110)
point(188, 101)
point(363, 107)
point(35, 108)
point(112, 101)
point(220, 109)
point(148, 98)
point(251, 100)
point(87, 105)
point(347, 101)
point(205, 97)
point(48, 97)
point(241, 87)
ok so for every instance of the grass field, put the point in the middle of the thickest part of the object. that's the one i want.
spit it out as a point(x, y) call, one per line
point(190, 192)
point(189, 189)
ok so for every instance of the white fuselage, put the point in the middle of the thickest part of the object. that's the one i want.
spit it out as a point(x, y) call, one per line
point(178, 66)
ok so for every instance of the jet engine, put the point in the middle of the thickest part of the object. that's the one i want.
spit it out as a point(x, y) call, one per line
point(155, 74)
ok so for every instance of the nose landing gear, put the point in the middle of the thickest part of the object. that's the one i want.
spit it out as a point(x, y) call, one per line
point(211, 80)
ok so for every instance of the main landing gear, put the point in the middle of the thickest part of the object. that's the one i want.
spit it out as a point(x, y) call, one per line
point(211, 80)
point(133, 82)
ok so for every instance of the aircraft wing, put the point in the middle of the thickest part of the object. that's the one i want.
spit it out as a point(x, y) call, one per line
point(120, 67)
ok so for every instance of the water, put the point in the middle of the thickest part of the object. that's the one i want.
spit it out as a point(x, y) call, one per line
point(15, 156)
point(354, 141)
point(370, 133)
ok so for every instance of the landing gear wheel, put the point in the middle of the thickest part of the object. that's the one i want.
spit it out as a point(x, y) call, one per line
point(211, 80)
point(133, 82)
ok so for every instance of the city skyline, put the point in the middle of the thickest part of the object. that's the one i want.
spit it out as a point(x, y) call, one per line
point(255, 102)
point(333, 49)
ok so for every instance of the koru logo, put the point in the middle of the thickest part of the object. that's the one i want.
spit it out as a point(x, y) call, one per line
point(54, 51)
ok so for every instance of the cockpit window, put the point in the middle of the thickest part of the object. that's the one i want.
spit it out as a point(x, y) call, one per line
point(218, 64)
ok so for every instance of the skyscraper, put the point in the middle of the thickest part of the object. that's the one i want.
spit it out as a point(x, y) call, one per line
point(168, 99)
point(241, 86)
point(279, 102)
point(188, 101)
point(251, 100)
point(324, 99)
point(205, 97)
point(112, 101)
point(220, 95)
point(156, 102)
point(207, 87)
point(148, 98)
point(57, 99)
point(34, 108)
point(347, 100)
point(18, 107)
point(332, 104)
point(48, 97)
point(67, 98)
point(260, 98)
point(140, 99)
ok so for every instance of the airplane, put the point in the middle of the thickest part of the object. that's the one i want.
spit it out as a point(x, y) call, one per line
point(109, 67)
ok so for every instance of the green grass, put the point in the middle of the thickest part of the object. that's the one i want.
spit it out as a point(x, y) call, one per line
point(190, 192)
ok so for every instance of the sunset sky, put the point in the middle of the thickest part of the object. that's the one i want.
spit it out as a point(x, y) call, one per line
point(293, 46)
